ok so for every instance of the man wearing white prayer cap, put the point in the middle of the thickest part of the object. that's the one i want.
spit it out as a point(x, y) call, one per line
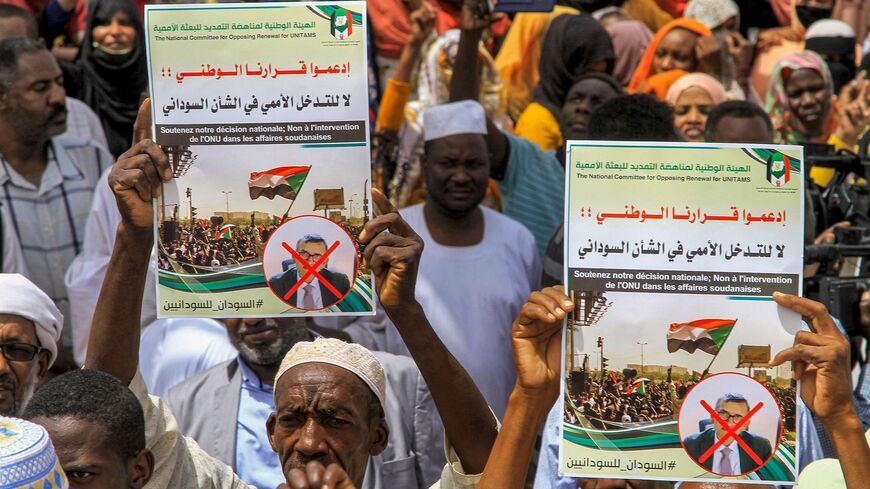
point(344, 385)
point(479, 265)
point(30, 325)
point(27, 457)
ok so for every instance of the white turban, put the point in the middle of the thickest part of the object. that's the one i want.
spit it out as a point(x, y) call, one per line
point(349, 356)
point(27, 457)
point(465, 117)
point(711, 13)
point(19, 297)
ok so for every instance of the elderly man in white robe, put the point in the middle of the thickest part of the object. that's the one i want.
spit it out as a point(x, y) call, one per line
point(30, 326)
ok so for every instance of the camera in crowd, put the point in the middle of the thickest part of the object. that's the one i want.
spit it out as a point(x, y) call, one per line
point(843, 272)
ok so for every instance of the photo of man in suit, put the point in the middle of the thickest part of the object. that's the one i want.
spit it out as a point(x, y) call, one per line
point(312, 294)
point(729, 458)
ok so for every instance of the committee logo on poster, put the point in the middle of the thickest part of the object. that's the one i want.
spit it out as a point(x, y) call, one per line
point(778, 169)
point(341, 24)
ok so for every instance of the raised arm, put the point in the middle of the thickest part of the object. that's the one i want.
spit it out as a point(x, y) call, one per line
point(135, 179)
point(465, 84)
point(820, 359)
point(537, 342)
point(393, 252)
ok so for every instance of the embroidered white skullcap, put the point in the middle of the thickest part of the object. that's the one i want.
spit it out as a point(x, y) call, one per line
point(829, 28)
point(465, 117)
point(27, 457)
point(20, 297)
point(711, 13)
point(349, 356)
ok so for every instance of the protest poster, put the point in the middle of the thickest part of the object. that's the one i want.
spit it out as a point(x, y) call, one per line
point(263, 112)
point(672, 252)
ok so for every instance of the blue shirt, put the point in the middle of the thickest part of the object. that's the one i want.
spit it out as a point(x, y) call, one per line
point(256, 463)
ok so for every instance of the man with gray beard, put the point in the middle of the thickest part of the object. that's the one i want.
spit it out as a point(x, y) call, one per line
point(226, 407)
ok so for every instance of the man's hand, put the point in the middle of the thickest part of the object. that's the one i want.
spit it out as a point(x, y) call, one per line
point(422, 23)
point(740, 49)
point(476, 16)
point(137, 176)
point(393, 252)
point(708, 52)
point(315, 476)
point(770, 38)
point(854, 114)
point(537, 341)
point(820, 360)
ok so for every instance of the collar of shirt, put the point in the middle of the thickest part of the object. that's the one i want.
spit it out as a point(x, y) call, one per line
point(250, 379)
point(734, 455)
point(60, 167)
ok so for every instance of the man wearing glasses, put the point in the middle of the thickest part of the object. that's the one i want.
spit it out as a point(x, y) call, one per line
point(312, 294)
point(729, 457)
point(30, 325)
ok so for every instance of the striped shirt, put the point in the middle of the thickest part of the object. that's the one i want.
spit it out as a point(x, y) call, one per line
point(83, 123)
point(49, 219)
point(533, 190)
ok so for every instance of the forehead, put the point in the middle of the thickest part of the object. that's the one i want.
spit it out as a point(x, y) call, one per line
point(13, 27)
point(679, 38)
point(457, 144)
point(695, 95)
point(803, 77)
point(76, 440)
point(14, 327)
point(312, 246)
point(37, 66)
point(591, 86)
point(734, 406)
point(326, 384)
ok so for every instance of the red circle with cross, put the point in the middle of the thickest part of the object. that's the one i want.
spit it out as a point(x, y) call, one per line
point(311, 269)
point(731, 431)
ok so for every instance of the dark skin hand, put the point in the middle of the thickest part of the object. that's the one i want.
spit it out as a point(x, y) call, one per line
point(316, 476)
point(392, 251)
point(820, 359)
point(465, 84)
point(136, 177)
point(537, 344)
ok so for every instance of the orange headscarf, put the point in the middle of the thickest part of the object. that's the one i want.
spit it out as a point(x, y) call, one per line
point(660, 83)
point(644, 69)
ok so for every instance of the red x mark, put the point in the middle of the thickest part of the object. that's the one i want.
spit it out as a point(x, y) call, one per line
point(731, 433)
point(310, 270)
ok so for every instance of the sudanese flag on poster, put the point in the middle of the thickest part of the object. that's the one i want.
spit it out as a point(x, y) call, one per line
point(284, 181)
point(707, 335)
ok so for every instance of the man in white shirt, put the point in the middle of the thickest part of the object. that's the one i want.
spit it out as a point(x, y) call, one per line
point(478, 266)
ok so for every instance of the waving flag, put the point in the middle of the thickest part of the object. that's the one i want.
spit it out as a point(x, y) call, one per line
point(284, 181)
point(696, 376)
point(225, 232)
point(613, 376)
point(707, 335)
point(639, 387)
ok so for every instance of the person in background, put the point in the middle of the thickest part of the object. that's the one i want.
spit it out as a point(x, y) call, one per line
point(693, 97)
point(630, 40)
point(111, 72)
point(574, 45)
point(46, 180)
point(802, 107)
point(684, 44)
point(834, 41)
point(722, 17)
point(81, 121)
point(239, 392)
point(738, 121)
point(30, 325)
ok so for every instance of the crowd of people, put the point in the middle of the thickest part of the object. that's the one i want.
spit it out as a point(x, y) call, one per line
point(204, 249)
point(454, 379)
point(610, 404)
